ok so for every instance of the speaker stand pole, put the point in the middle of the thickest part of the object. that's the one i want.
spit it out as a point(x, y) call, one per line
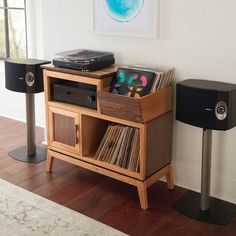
point(29, 153)
point(206, 169)
point(200, 206)
point(30, 121)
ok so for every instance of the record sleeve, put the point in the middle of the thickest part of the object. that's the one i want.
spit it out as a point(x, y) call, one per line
point(133, 82)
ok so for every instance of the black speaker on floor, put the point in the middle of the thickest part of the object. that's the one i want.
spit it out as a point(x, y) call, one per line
point(26, 76)
point(210, 105)
point(206, 104)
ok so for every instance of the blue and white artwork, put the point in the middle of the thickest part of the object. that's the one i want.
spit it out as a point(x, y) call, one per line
point(131, 18)
point(123, 10)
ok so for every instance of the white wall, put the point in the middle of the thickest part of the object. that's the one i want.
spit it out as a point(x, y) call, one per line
point(13, 104)
point(197, 38)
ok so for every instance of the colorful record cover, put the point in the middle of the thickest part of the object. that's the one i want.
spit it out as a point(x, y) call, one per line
point(133, 83)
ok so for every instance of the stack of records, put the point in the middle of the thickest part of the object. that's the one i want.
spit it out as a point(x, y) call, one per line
point(163, 76)
point(83, 59)
point(120, 146)
point(138, 81)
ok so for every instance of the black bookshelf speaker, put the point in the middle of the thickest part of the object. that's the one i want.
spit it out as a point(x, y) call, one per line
point(24, 75)
point(206, 104)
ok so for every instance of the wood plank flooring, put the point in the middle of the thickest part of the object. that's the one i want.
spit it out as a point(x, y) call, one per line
point(101, 198)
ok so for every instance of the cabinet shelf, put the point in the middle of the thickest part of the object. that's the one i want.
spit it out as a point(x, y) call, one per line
point(91, 160)
point(74, 134)
point(111, 167)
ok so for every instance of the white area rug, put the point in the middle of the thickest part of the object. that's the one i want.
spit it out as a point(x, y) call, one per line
point(23, 213)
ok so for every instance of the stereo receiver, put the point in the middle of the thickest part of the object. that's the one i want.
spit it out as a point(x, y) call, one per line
point(75, 93)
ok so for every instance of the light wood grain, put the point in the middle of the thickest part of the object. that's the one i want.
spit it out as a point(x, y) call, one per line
point(49, 162)
point(97, 74)
point(98, 169)
point(141, 185)
point(142, 192)
point(156, 104)
point(93, 113)
point(89, 126)
point(103, 164)
point(155, 177)
point(143, 151)
point(71, 77)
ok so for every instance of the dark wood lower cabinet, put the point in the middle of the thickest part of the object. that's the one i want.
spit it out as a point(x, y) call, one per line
point(64, 129)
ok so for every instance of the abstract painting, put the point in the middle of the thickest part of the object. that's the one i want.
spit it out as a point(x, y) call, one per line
point(122, 10)
point(132, 18)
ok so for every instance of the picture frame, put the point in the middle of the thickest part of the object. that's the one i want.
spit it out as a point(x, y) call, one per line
point(127, 18)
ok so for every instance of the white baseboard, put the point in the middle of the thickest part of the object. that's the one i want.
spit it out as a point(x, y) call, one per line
point(21, 120)
point(45, 142)
point(189, 178)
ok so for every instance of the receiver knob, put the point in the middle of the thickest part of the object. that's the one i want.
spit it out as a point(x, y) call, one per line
point(91, 98)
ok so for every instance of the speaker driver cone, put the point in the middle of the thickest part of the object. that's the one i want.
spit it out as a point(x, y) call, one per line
point(221, 110)
point(29, 79)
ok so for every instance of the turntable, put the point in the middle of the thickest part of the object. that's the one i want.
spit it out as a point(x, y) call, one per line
point(83, 59)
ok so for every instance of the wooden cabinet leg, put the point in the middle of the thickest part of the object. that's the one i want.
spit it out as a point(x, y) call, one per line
point(142, 192)
point(49, 162)
point(169, 178)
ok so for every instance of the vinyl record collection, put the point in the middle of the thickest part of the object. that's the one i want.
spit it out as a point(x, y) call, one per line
point(120, 146)
point(138, 81)
point(163, 77)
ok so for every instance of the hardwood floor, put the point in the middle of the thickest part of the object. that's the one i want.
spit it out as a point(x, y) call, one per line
point(106, 200)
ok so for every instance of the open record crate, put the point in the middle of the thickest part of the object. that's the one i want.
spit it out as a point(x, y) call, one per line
point(140, 109)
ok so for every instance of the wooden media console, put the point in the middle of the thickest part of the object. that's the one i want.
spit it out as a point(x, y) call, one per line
point(74, 133)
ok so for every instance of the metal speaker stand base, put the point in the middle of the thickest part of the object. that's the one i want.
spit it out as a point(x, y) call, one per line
point(202, 206)
point(220, 212)
point(20, 154)
point(29, 153)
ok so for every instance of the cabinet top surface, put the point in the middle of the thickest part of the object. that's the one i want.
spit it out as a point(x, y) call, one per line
point(97, 74)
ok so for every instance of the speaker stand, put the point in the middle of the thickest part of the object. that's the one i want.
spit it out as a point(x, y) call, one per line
point(201, 206)
point(29, 153)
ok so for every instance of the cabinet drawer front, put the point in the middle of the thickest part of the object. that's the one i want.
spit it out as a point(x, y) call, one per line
point(64, 129)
